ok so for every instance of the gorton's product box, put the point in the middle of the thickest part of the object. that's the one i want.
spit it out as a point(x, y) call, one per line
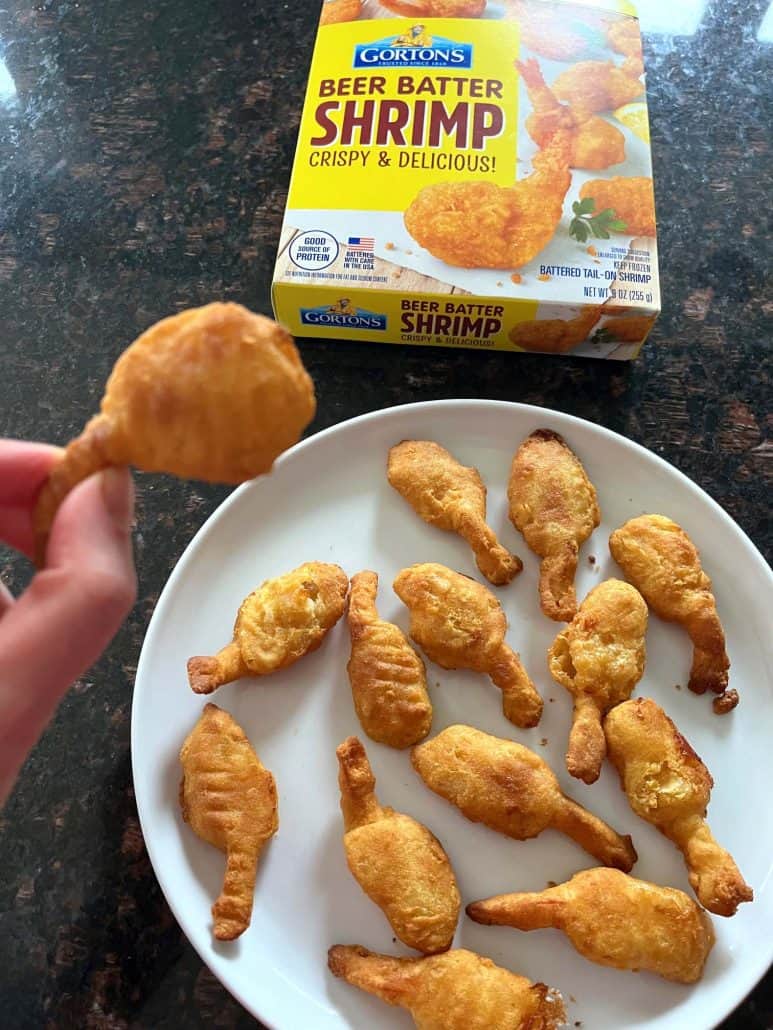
point(473, 173)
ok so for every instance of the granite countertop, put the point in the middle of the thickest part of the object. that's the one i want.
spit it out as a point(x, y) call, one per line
point(145, 151)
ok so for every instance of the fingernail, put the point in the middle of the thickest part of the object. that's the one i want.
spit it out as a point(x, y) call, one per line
point(118, 495)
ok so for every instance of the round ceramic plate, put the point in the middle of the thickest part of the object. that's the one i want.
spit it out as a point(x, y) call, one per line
point(328, 499)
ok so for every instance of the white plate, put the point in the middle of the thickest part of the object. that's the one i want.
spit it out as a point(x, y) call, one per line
point(328, 499)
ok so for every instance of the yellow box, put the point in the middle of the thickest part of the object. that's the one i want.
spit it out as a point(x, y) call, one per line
point(482, 180)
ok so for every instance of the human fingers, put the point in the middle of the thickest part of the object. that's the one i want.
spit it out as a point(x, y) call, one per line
point(24, 467)
point(16, 528)
point(69, 612)
point(6, 599)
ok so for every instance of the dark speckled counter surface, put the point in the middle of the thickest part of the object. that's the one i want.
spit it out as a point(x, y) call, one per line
point(145, 150)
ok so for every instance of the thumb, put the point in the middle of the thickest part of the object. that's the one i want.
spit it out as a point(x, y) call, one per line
point(69, 613)
point(92, 531)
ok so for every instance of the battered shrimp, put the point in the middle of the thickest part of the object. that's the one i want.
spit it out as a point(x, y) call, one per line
point(624, 37)
point(336, 11)
point(560, 32)
point(632, 200)
point(555, 335)
point(436, 8)
point(595, 144)
point(481, 225)
point(457, 990)
point(629, 329)
point(593, 86)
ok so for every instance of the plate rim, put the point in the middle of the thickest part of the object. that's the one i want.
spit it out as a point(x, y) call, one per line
point(759, 970)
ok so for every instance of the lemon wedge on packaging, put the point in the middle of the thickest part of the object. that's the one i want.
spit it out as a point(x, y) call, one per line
point(635, 117)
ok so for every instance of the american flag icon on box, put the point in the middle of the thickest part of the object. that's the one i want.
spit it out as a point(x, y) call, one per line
point(363, 244)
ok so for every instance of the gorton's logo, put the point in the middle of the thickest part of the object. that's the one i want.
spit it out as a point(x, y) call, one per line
point(343, 315)
point(414, 48)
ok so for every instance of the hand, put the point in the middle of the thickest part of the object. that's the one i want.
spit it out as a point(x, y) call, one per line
point(73, 607)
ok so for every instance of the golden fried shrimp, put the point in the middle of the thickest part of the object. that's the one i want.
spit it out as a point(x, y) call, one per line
point(280, 622)
point(632, 200)
point(512, 790)
point(669, 786)
point(599, 659)
point(633, 66)
point(336, 11)
point(399, 864)
point(555, 335)
point(557, 31)
point(661, 561)
point(230, 801)
point(388, 680)
point(458, 990)
point(460, 625)
point(481, 225)
point(595, 144)
point(554, 505)
point(630, 328)
point(452, 497)
point(436, 8)
point(594, 86)
point(624, 37)
point(214, 393)
point(614, 920)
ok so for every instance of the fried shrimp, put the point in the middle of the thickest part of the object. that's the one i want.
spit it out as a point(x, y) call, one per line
point(554, 505)
point(559, 32)
point(632, 200)
point(595, 144)
point(452, 497)
point(481, 225)
point(400, 865)
point(614, 920)
point(661, 561)
point(593, 86)
point(624, 37)
point(336, 11)
point(436, 8)
point(555, 335)
point(628, 329)
point(457, 990)
point(214, 393)
point(229, 800)
point(669, 786)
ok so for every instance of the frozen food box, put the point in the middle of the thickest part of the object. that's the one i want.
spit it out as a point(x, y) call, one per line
point(473, 173)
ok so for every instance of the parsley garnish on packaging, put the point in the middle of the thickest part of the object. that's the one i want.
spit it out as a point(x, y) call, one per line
point(585, 223)
point(602, 336)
